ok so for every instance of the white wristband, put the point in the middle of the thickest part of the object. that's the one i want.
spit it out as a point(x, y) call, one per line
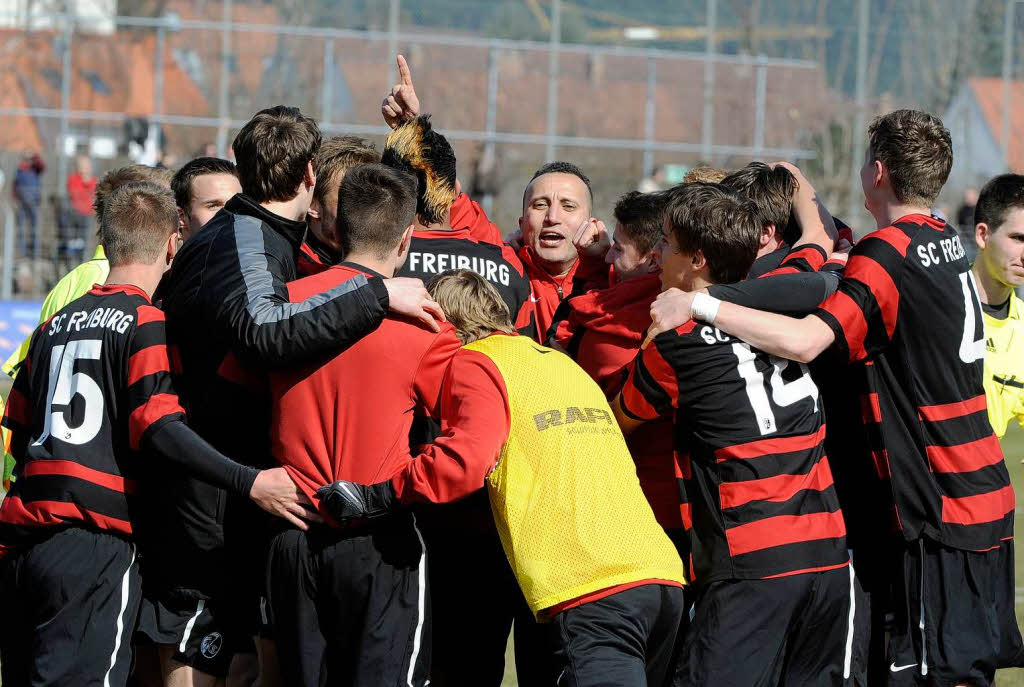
point(704, 307)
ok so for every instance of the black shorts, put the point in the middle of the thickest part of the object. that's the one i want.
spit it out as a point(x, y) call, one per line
point(204, 635)
point(72, 601)
point(954, 616)
point(467, 565)
point(350, 606)
point(794, 631)
point(629, 638)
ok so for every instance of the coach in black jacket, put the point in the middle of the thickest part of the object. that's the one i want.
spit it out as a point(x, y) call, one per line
point(229, 317)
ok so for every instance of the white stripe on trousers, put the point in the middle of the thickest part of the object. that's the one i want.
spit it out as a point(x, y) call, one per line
point(420, 605)
point(924, 639)
point(191, 623)
point(125, 592)
point(848, 660)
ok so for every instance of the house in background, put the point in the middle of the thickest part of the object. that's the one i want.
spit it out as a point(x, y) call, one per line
point(975, 123)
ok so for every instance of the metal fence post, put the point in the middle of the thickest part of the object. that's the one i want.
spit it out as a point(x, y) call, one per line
point(65, 105)
point(491, 125)
point(393, 16)
point(7, 268)
point(707, 137)
point(1008, 34)
point(553, 73)
point(863, 16)
point(652, 85)
point(153, 134)
point(760, 94)
point(327, 84)
point(222, 97)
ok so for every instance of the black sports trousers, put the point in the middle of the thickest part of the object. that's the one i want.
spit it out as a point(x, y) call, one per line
point(796, 631)
point(72, 604)
point(628, 639)
point(202, 632)
point(954, 616)
point(350, 607)
point(478, 603)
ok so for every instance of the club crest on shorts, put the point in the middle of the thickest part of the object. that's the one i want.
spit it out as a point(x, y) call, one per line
point(211, 645)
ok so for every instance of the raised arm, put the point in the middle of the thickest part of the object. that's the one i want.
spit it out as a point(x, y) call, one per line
point(816, 224)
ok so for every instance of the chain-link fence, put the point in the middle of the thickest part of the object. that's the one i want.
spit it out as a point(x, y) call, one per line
point(630, 93)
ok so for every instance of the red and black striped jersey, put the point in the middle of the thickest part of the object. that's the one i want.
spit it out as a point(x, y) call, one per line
point(95, 386)
point(432, 252)
point(760, 487)
point(908, 306)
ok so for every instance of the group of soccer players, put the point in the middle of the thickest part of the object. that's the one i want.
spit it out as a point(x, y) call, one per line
point(311, 421)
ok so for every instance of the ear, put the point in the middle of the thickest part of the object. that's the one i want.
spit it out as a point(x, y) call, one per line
point(698, 260)
point(182, 219)
point(767, 234)
point(522, 225)
point(982, 234)
point(173, 243)
point(458, 187)
point(310, 179)
point(314, 209)
point(407, 239)
point(651, 262)
point(405, 243)
point(880, 173)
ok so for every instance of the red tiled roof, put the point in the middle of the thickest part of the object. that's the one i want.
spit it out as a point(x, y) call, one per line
point(111, 73)
point(989, 94)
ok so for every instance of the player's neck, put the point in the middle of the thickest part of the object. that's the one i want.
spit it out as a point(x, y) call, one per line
point(294, 209)
point(990, 290)
point(444, 225)
point(699, 283)
point(894, 211)
point(145, 277)
point(555, 269)
point(386, 268)
point(773, 245)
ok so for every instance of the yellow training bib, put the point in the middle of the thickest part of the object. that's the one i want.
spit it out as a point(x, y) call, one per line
point(565, 495)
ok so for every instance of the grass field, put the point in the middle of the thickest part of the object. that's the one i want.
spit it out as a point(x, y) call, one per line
point(1013, 447)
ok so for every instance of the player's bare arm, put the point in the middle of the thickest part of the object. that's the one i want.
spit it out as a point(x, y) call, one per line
point(816, 224)
point(800, 339)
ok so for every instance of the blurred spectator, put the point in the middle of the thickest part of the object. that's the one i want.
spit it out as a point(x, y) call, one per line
point(27, 195)
point(166, 161)
point(655, 182)
point(81, 189)
point(965, 215)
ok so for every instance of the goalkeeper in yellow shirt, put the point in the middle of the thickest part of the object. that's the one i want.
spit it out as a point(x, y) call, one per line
point(998, 270)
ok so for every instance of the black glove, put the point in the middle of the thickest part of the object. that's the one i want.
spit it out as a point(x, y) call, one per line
point(348, 502)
